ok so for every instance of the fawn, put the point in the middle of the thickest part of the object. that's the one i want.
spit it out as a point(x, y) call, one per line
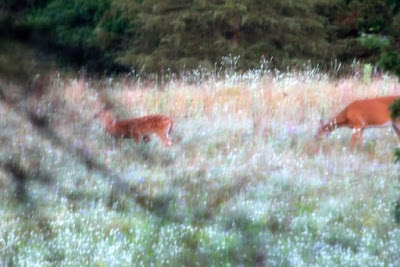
point(137, 128)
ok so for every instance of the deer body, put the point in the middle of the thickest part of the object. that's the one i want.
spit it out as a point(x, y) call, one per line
point(138, 128)
point(362, 114)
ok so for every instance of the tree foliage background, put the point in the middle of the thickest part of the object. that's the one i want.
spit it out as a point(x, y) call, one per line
point(151, 35)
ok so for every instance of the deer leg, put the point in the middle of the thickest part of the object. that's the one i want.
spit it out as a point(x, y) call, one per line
point(396, 130)
point(146, 138)
point(358, 130)
point(356, 138)
point(360, 137)
point(164, 137)
point(136, 137)
point(353, 141)
point(167, 132)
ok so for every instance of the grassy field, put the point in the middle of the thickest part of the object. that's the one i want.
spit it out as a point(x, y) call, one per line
point(245, 182)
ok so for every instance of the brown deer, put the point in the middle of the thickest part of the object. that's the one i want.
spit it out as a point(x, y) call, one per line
point(137, 128)
point(362, 114)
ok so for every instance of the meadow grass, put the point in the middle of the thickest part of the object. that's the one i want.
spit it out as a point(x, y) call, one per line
point(245, 182)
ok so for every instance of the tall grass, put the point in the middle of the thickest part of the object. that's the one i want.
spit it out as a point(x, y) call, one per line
point(245, 182)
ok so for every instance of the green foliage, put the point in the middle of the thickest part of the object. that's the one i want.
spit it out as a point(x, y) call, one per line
point(182, 35)
point(390, 61)
point(367, 71)
point(372, 41)
point(376, 15)
point(71, 22)
point(153, 35)
point(17, 5)
point(395, 113)
point(397, 205)
point(73, 28)
point(397, 158)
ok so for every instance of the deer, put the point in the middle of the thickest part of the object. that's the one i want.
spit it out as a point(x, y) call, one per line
point(139, 128)
point(362, 114)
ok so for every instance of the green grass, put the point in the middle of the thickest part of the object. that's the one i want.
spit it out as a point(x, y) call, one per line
point(245, 182)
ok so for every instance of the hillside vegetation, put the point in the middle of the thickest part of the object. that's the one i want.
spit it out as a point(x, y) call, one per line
point(245, 182)
point(158, 36)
